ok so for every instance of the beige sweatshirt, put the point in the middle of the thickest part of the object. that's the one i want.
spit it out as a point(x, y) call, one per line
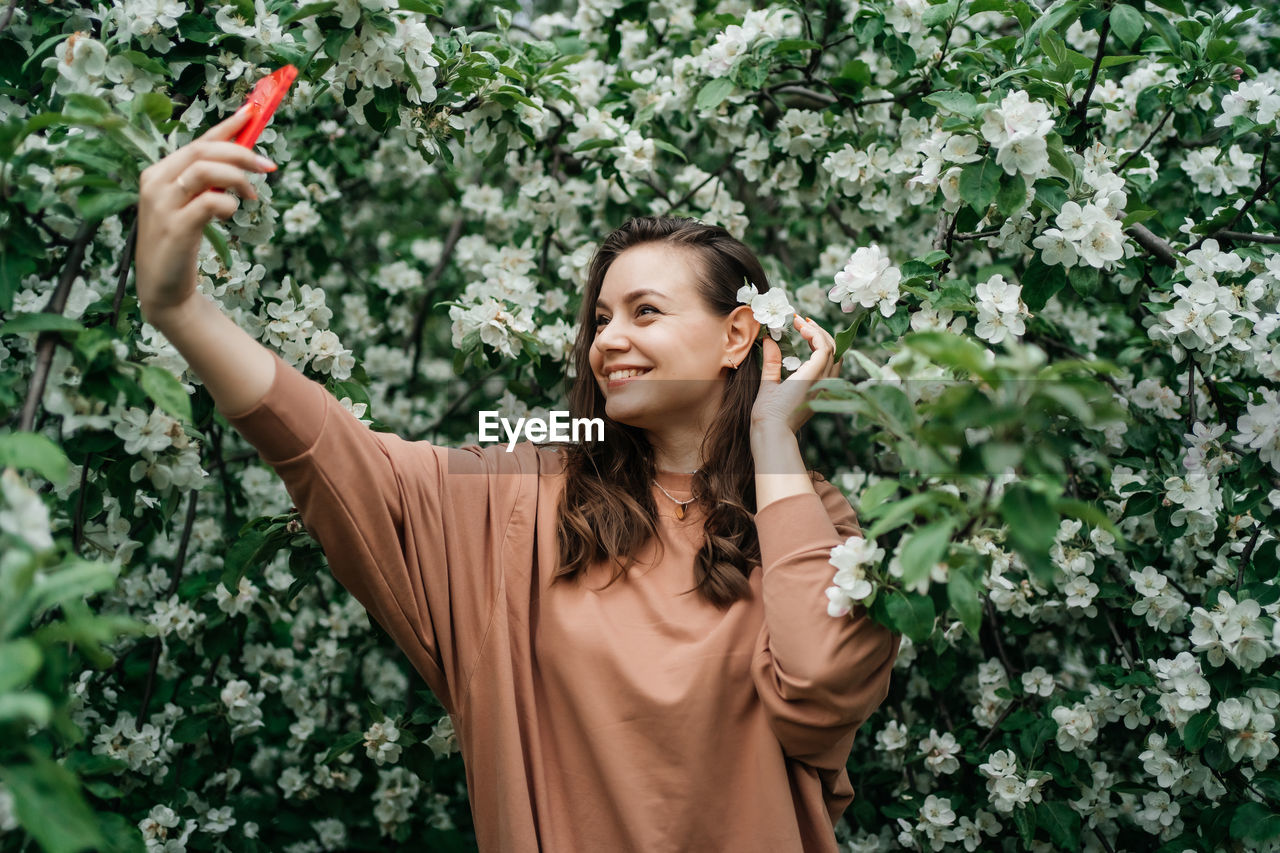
point(631, 718)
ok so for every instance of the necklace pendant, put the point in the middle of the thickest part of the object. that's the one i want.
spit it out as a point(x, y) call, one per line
point(679, 511)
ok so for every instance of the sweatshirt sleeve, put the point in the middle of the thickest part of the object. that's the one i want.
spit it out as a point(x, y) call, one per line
point(415, 532)
point(819, 677)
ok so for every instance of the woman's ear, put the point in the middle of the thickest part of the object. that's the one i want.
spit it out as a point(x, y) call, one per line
point(741, 331)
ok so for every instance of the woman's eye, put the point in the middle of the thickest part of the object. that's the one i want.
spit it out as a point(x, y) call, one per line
point(643, 308)
point(600, 321)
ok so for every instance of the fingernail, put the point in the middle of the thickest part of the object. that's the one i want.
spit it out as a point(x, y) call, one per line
point(265, 165)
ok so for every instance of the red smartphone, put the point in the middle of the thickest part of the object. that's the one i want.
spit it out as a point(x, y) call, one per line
point(262, 102)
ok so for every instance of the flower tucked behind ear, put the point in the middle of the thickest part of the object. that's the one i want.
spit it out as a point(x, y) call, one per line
point(771, 309)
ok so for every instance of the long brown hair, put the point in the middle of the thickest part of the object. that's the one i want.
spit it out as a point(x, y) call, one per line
point(607, 509)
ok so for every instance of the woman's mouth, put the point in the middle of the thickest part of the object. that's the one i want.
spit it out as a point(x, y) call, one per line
point(618, 378)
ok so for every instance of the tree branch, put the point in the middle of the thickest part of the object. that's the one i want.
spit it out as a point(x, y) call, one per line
point(420, 319)
point(1156, 247)
point(1152, 135)
point(1083, 107)
point(149, 689)
point(47, 341)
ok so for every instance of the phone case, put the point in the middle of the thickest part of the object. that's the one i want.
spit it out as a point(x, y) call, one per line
point(263, 100)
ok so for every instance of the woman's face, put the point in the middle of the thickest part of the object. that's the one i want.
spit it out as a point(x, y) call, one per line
point(650, 318)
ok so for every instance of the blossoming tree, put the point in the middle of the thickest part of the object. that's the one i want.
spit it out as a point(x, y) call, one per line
point(1044, 232)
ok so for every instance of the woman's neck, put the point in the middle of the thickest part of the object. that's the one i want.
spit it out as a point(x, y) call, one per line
point(677, 451)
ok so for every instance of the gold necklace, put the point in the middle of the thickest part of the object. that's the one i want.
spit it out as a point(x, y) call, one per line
point(680, 505)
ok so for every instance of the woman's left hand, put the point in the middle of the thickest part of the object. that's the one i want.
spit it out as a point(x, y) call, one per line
point(783, 402)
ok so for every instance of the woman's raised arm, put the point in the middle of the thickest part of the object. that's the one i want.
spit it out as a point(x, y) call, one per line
point(175, 202)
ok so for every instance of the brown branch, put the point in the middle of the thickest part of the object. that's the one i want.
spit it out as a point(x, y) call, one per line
point(1152, 135)
point(691, 193)
point(1241, 237)
point(1156, 247)
point(1264, 188)
point(1124, 650)
point(420, 319)
point(991, 732)
point(8, 15)
point(122, 271)
point(47, 341)
point(1082, 108)
point(149, 689)
point(1247, 555)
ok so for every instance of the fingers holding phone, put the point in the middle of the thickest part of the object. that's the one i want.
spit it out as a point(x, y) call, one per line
point(177, 197)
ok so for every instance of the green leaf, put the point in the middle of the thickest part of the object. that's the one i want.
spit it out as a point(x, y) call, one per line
point(218, 240)
point(19, 661)
point(1127, 23)
point(966, 600)
point(1012, 195)
point(1062, 823)
point(155, 105)
point(1085, 280)
point(1255, 822)
point(343, 744)
point(924, 550)
point(875, 495)
point(670, 149)
point(101, 205)
point(1024, 819)
point(41, 322)
point(1040, 282)
point(911, 614)
point(844, 338)
point(1032, 522)
point(1196, 733)
point(34, 452)
point(49, 806)
point(311, 10)
point(713, 93)
point(954, 101)
point(979, 182)
point(167, 392)
point(25, 708)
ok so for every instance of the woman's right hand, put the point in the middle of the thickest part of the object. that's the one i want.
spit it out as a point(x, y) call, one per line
point(175, 203)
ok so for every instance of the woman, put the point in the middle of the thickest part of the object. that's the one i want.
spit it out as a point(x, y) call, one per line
point(591, 714)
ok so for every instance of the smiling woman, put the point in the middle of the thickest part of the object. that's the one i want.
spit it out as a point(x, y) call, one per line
point(708, 703)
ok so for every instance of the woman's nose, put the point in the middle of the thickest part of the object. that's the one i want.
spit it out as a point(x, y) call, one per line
point(611, 337)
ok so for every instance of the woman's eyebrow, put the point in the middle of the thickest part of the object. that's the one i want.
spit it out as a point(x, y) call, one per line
point(633, 296)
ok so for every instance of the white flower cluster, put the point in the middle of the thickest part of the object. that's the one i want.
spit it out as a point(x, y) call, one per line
point(771, 309)
point(1255, 100)
point(1206, 315)
point(937, 822)
point(1160, 603)
point(148, 750)
point(736, 41)
point(244, 706)
point(1089, 236)
point(1005, 788)
point(1001, 311)
point(869, 279)
point(299, 330)
point(1184, 690)
point(1017, 128)
point(1251, 723)
point(160, 830)
point(989, 706)
point(241, 602)
point(1215, 175)
point(1077, 727)
point(1232, 630)
point(443, 739)
point(1259, 427)
point(852, 560)
point(23, 514)
point(151, 435)
point(380, 742)
point(398, 790)
point(940, 753)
